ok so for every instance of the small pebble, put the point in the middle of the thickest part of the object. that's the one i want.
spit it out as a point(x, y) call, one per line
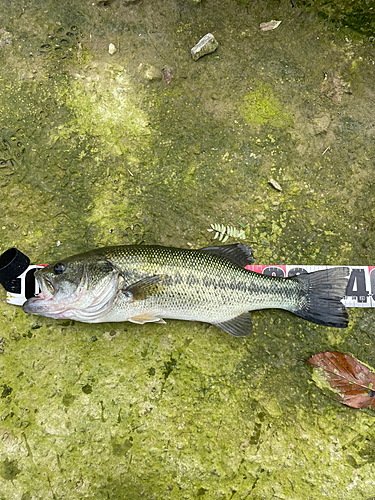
point(112, 49)
point(275, 184)
point(206, 45)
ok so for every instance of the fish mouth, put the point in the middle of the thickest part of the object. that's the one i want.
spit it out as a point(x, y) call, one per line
point(48, 290)
point(47, 286)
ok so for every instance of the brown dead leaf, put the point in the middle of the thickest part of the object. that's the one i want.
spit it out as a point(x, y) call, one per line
point(353, 381)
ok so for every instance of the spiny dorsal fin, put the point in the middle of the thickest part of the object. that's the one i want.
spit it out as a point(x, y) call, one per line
point(240, 254)
point(144, 288)
point(240, 326)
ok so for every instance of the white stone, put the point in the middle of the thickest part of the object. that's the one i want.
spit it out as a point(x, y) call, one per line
point(206, 45)
point(112, 49)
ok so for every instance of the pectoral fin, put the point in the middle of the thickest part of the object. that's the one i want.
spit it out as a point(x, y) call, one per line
point(145, 287)
point(240, 326)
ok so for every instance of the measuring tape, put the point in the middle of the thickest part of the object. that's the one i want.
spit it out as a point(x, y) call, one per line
point(360, 290)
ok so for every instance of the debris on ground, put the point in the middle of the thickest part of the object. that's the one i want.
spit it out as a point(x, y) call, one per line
point(275, 184)
point(167, 74)
point(333, 86)
point(270, 25)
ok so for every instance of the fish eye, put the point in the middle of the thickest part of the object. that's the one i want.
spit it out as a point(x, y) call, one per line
point(59, 268)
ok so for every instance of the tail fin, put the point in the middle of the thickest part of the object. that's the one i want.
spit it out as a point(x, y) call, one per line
point(323, 291)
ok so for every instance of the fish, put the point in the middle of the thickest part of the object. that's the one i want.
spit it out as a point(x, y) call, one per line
point(151, 283)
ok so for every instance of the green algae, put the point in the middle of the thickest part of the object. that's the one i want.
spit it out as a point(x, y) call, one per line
point(181, 410)
point(9, 470)
point(260, 107)
point(354, 14)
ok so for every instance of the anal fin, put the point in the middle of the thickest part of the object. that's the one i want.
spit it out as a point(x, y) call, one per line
point(240, 326)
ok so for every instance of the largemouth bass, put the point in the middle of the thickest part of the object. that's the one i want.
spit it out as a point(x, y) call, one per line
point(152, 283)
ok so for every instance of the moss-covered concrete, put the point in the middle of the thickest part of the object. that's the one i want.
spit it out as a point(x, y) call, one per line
point(96, 149)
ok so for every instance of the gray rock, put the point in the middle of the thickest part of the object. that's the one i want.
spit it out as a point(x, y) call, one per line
point(206, 45)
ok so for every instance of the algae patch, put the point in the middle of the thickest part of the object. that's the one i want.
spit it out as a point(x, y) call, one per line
point(9, 469)
point(260, 106)
point(107, 110)
point(105, 105)
point(322, 382)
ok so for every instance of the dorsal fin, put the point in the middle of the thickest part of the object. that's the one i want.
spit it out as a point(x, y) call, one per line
point(240, 254)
